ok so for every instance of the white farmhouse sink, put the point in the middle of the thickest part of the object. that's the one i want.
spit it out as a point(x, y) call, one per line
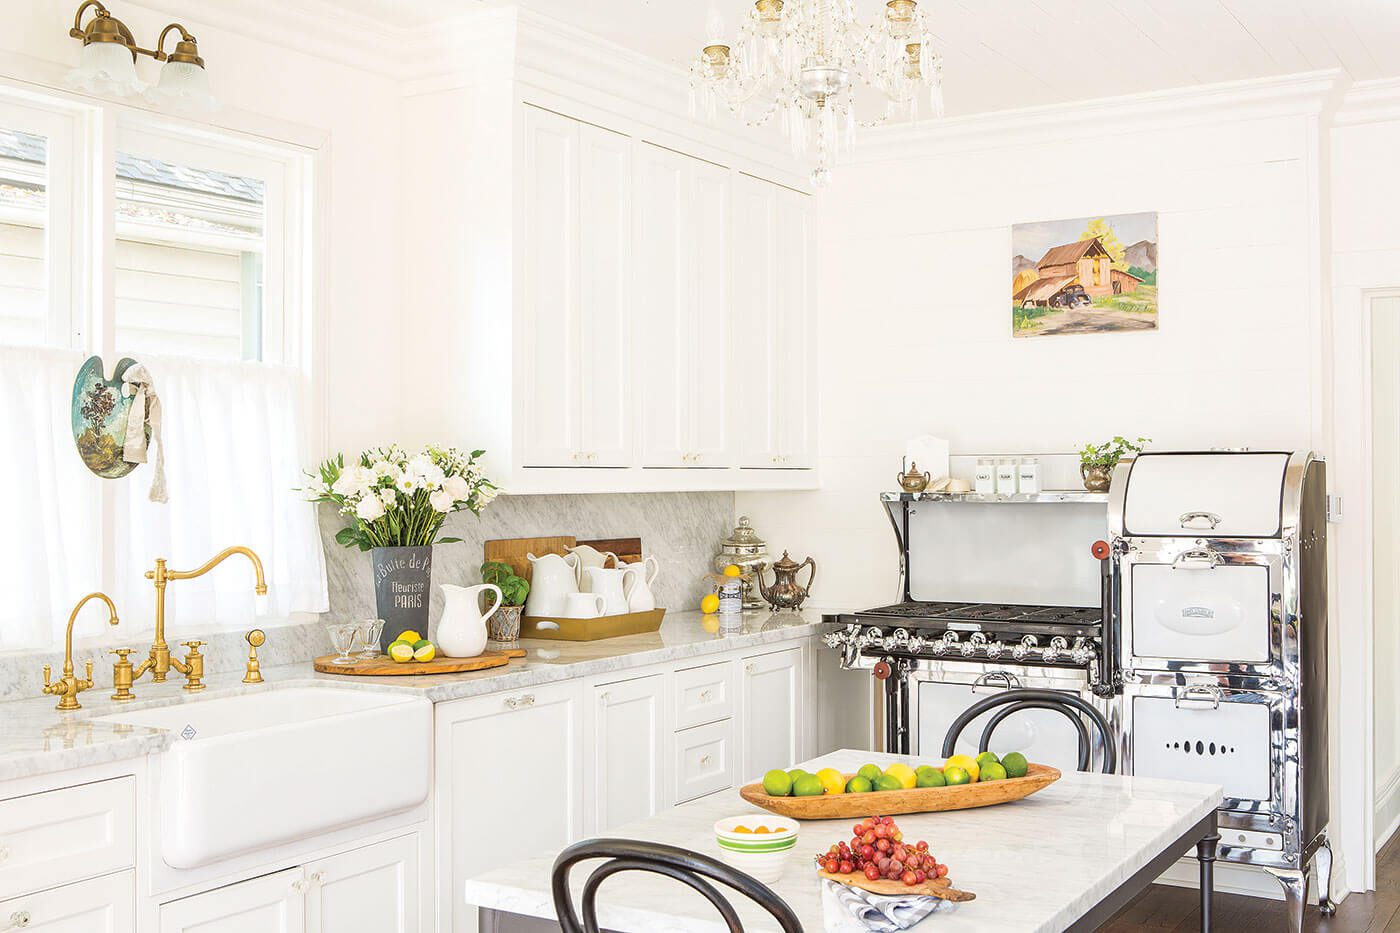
point(262, 769)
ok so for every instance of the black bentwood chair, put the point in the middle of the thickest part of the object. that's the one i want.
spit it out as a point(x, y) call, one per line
point(1067, 704)
point(683, 865)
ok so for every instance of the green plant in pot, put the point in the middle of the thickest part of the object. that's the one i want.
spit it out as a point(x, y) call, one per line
point(505, 621)
point(1096, 461)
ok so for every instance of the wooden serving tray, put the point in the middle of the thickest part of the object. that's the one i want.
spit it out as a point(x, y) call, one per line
point(630, 623)
point(895, 802)
point(382, 666)
point(937, 887)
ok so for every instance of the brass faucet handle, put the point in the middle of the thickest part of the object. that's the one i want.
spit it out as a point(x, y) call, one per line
point(87, 665)
point(194, 646)
point(194, 664)
point(123, 675)
point(48, 676)
point(255, 639)
point(122, 654)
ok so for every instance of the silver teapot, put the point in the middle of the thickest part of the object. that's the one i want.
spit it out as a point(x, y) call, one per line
point(785, 592)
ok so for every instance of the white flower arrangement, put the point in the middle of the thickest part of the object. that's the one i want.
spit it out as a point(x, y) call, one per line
point(397, 500)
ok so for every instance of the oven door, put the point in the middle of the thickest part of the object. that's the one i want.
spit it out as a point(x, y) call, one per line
point(941, 690)
point(1213, 607)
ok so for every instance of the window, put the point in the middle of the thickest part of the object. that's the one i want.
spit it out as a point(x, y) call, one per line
point(182, 248)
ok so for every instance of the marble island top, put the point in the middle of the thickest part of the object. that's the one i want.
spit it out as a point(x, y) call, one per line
point(36, 739)
point(1037, 864)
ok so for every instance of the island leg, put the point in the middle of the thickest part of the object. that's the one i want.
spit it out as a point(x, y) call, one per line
point(1205, 854)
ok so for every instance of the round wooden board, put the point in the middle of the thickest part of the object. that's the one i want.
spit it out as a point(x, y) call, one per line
point(894, 802)
point(940, 888)
point(383, 667)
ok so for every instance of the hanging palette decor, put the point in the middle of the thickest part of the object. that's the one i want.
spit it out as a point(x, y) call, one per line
point(114, 421)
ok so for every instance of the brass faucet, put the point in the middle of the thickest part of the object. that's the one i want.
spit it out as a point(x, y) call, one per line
point(69, 685)
point(159, 662)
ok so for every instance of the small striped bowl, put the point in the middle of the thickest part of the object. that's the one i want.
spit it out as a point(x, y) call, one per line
point(761, 855)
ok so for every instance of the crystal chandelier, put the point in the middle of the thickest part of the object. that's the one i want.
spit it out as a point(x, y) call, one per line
point(800, 61)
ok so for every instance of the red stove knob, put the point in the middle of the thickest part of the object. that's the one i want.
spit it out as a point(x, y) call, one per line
point(882, 670)
point(1101, 550)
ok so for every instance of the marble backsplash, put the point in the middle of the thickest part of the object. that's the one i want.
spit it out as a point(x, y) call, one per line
point(681, 530)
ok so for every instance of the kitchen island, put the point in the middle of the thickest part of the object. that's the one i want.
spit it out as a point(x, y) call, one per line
point(1071, 854)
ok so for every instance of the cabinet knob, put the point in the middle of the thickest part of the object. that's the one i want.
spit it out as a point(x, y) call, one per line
point(520, 701)
point(318, 878)
point(706, 694)
point(748, 668)
point(18, 920)
point(4, 853)
point(705, 759)
point(603, 697)
point(300, 886)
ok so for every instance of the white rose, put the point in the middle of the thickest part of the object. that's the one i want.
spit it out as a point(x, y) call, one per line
point(353, 482)
point(484, 495)
point(457, 487)
point(441, 500)
point(370, 509)
point(389, 498)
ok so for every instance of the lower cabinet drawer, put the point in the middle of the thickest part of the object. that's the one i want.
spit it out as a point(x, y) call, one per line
point(66, 835)
point(704, 760)
point(704, 694)
point(101, 905)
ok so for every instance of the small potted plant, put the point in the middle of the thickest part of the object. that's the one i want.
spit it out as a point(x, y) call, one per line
point(505, 621)
point(1096, 461)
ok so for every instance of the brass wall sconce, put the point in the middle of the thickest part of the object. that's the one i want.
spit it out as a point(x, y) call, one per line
point(108, 62)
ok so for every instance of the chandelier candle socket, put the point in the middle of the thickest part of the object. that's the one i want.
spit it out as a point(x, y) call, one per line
point(801, 62)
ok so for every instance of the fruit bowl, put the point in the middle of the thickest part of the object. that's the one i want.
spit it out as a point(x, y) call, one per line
point(761, 855)
point(912, 800)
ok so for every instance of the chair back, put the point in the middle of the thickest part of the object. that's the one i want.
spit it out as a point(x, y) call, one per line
point(1072, 707)
point(689, 868)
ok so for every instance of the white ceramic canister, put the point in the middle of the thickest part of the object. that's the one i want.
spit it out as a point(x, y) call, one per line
point(985, 483)
point(1028, 474)
point(1006, 476)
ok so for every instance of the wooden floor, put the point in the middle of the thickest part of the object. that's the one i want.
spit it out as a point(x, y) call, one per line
point(1163, 907)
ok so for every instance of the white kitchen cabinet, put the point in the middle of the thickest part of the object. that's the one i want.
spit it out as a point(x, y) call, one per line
point(772, 339)
point(627, 745)
point(507, 777)
point(772, 704)
point(574, 341)
point(681, 257)
point(374, 889)
point(272, 903)
point(100, 905)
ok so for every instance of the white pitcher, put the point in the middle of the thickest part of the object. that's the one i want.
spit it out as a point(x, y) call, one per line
point(461, 632)
point(590, 556)
point(613, 584)
point(552, 577)
point(641, 598)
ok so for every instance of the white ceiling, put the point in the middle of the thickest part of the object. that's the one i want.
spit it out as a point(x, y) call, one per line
point(1001, 54)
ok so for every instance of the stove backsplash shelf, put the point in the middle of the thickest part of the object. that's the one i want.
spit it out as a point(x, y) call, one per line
point(1045, 497)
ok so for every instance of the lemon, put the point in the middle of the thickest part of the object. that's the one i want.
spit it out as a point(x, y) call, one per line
point(424, 651)
point(870, 772)
point(409, 636)
point(832, 780)
point(931, 778)
point(1015, 765)
point(809, 785)
point(966, 763)
point(955, 775)
point(859, 785)
point(776, 783)
point(709, 603)
point(993, 771)
point(903, 774)
point(401, 651)
point(733, 571)
point(888, 782)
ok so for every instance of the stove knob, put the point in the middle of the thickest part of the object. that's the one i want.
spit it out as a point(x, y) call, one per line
point(940, 648)
point(1101, 550)
point(969, 649)
point(882, 670)
point(995, 649)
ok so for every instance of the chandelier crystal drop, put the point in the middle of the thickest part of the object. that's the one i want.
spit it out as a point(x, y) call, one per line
point(800, 62)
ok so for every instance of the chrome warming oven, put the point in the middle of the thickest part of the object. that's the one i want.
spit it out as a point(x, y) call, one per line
point(1218, 571)
point(994, 593)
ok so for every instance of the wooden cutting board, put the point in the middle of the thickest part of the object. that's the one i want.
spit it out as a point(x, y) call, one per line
point(937, 887)
point(513, 550)
point(628, 550)
point(383, 667)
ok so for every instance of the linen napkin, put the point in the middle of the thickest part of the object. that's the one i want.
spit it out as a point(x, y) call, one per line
point(851, 910)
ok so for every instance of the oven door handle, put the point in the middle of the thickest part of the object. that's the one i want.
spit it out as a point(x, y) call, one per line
point(1201, 558)
point(1205, 697)
point(1199, 521)
point(1011, 681)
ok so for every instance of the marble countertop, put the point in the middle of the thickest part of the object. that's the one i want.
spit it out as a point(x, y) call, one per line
point(1035, 865)
point(36, 739)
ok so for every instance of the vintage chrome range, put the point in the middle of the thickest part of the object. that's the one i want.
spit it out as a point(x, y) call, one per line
point(1219, 563)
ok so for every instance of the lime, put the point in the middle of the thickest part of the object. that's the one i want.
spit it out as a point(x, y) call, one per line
point(401, 651)
point(985, 757)
point(776, 783)
point(870, 772)
point(859, 785)
point(424, 651)
point(796, 773)
point(993, 771)
point(964, 762)
point(931, 778)
point(954, 776)
point(888, 782)
point(1015, 765)
point(808, 785)
point(832, 780)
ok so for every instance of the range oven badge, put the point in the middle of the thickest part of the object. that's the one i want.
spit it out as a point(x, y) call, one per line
point(1197, 612)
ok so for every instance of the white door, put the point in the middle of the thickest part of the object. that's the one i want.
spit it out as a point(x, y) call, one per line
point(374, 889)
point(506, 772)
point(102, 905)
point(273, 903)
point(771, 705)
point(627, 745)
point(680, 239)
point(548, 352)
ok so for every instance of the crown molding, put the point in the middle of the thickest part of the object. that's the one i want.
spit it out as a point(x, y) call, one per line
point(1376, 101)
point(1313, 93)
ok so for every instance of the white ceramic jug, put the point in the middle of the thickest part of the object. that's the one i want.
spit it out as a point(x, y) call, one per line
point(461, 632)
point(590, 556)
point(613, 584)
point(641, 598)
point(552, 577)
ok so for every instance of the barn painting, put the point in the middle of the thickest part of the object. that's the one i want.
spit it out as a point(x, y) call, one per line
point(1089, 275)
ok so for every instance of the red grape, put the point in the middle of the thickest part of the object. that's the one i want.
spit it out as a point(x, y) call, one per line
point(922, 846)
point(910, 878)
point(942, 871)
point(872, 872)
point(846, 867)
point(921, 876)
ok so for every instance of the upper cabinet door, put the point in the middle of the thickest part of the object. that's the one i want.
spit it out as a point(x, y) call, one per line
point(796, 321)
point(605, 339)
point(682, 294)
point(549, 353)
